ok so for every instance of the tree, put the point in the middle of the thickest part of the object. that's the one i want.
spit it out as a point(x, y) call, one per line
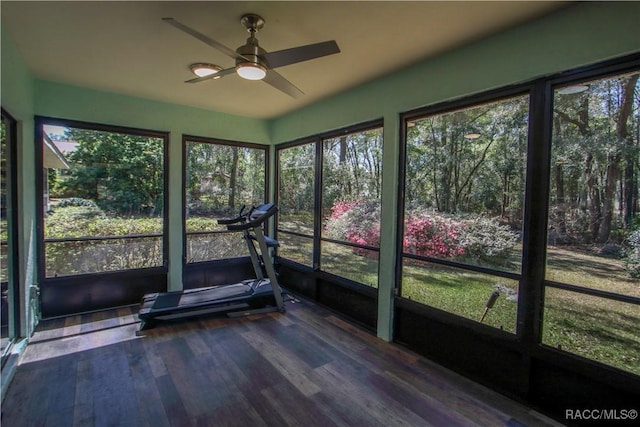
point(598, 124)
point(121, 172)
point(221, 177)
point(352, 167)
point(469, 161)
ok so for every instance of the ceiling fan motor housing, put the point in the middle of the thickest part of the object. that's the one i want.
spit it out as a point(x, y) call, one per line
point(253, 52)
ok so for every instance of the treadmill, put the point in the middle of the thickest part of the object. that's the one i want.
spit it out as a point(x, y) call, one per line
point(253, 296)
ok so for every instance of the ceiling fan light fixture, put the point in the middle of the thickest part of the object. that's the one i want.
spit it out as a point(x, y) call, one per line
point(203, 70)
point(570, 90)
point(251, 71)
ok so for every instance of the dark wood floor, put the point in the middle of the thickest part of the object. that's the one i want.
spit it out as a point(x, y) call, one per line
point(304, 368)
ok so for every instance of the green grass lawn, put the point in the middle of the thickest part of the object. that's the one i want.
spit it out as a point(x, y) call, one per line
point(597, 328)
point(593, 327)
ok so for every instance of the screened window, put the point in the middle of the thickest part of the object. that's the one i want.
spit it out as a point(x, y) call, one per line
point(103, 199)
point(329, 201)
point(221, 178)
point(592, 298)
point(351, 187)
point(9, 283)
point(296, 186)
point(463, 209)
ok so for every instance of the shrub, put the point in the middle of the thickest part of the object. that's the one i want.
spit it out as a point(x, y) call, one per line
point(432, 235)
point(632, 261)
point(611, 250)
point(89, 256)
point(76, 201)
point(356, 222)
point(485, 239)
point(82, 221)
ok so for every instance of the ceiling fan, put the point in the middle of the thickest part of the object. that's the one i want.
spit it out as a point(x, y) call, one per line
point(252, 61)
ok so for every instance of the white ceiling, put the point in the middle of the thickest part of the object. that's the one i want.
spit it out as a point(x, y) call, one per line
point(124, 47)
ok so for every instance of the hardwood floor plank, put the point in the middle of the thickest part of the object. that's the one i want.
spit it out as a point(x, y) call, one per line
point(62, 386)
point(303, 345)
point(126, 315)
point(287, 364)
point(72, 326)
point(377, 402)
point(295, 408)
point(342, 409)
point(172, 402)
point(112, 387)
point(151, 411)
point(268, 413)
point(248, 360)
point(26, 397)
point(188, 377)
point(59, 418)
point(196, 343)
point(83, 414)
point(330, 330)
point(307, 367)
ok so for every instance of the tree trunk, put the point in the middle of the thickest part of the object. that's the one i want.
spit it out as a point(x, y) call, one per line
point(343, 150)
point(613, 160)
point(630, 190)
point(593, 197)
point(233, 179)
point(608, 197)
point(561, 212)
point(345, 187)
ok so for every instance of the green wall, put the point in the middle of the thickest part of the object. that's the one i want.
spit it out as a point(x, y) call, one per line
point(72, 102)
point(17, 95)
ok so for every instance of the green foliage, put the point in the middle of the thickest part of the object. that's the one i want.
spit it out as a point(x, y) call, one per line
point(201, 224)
point(476, 239)
point(221, 178)
point(352, 167)
point(469, 161)
point(73, 221)
point(205, 247)
point(82, 221)
point(296, 183)
point(632, 260)
point(485, 240)
point(122, 173)
point(595, 151)
point(355, 222)
point(80, 218)
point(76, 201)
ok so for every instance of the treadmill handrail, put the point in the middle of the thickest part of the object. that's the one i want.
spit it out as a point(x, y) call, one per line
point(257, 221)
point(241, 217)
point(232, 220)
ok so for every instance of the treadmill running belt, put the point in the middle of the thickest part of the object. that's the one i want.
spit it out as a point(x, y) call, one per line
point(167, 300)
point(178, 299)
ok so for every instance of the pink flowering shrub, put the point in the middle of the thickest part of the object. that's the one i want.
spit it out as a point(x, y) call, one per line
point(475, 239)
point(342, 207)
point(433, 236)
point(356, 222)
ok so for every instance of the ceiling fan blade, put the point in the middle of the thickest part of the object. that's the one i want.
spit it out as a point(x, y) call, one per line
point(217, 75)
point(294, 55)
point(282, 84)
point(222, 48)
